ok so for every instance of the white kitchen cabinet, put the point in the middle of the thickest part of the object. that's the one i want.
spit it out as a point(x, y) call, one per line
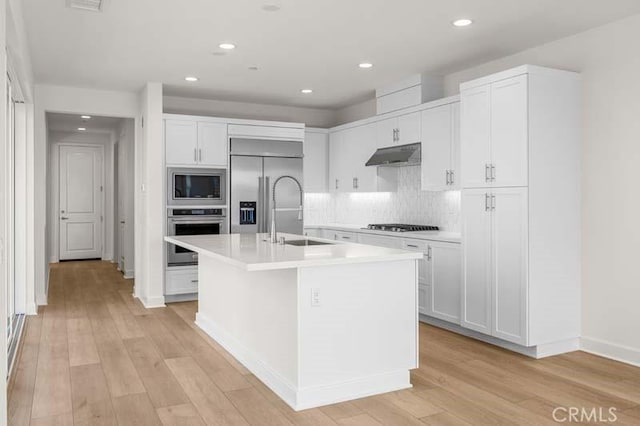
point(181, 280)
point(314, 232)
point(349, 237)
point(338, 162)
point(212, 144)
point(440, 274)
point(520, 148)
point(440, 147)
point(401, 130)
point(379, 240)
point(424, 294)
point(316, 160)
point(495, 257)
point(494, 133)
point(181, 142)
point(193, 143)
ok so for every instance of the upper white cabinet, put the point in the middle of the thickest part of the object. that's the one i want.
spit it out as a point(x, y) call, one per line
point(316, 160)
point(193, 143)
point(181, 142)
point(440, 147)
point(494, 133)
point(401, 130)
point(212, 144)
point(521, 206)
point(349, 150)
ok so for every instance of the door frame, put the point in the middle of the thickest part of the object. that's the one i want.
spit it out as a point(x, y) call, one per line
point(55, 197)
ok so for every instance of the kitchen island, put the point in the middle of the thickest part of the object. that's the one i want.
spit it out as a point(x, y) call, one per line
point(318, 324)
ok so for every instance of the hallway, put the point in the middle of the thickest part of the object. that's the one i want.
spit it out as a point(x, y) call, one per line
point(94, 355)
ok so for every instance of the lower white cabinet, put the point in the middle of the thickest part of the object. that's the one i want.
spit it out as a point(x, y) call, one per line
point(440, 278)
point(349, 237)
point(181, 280)
point(495, 258)
point(314, 232)
point(379, 240)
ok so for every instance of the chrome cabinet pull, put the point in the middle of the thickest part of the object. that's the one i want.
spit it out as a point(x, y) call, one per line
point(412, 246)
point(200, 154)
point(493, 173)
point(195, 154)
point(451, 174)
point(447, 171)
point(336, 183)
point(486, 202)
point(487, 173)
point(429, 253)
point(398, 135)
point(493, 202)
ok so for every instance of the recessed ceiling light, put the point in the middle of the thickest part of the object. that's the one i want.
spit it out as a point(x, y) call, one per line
point(306, 91)
point(82, 129)
point(227, 46)
point(462, 22)
point(85, 117)
point(365, 65)
point(191, 78)
point(270, 7)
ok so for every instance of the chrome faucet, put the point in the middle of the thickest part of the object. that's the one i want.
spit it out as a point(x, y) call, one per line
point(274, 235)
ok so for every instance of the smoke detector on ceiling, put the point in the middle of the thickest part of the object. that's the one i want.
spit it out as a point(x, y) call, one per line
point(91, 5)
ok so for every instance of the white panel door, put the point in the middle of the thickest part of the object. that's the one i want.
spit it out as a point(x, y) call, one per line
point(212, 144)
point(409, 128)
point(476, 260)
point(446, 277)
point(436, 148)
point(181, 142)
point(362, 145)
point(475, 137)
point(510, 230)
point(337, 162)
point(509, 130)
point(386, 132)
point(80, 202)
point(316, 166)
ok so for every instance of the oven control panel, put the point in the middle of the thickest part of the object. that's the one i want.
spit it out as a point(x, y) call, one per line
point(197, 212)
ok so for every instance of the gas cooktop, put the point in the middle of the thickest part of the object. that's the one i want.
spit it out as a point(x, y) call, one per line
point(401, 227)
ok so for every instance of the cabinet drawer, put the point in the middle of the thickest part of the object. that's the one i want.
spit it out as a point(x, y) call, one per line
point(181, 282)
point(349, 237)
point(379, 240)
point(415, 245)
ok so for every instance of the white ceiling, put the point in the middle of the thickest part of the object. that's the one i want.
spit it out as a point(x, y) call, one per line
point(308, 43)
point(70, 123)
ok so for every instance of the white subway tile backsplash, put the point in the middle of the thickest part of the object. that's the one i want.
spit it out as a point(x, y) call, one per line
point(409, 205)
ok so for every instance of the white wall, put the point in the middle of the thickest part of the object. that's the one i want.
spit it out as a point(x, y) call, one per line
point(149, 203)
point(607, 57)
point(87, 138)
point(312, 117)
point(71, 100)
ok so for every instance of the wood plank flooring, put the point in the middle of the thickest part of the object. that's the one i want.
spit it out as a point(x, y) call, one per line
point(96, 356)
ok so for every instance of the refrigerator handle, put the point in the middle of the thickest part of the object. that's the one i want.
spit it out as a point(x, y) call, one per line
point(260, 208)
point(267, 204)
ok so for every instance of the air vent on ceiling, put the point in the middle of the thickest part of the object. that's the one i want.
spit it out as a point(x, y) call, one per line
point(92, 5)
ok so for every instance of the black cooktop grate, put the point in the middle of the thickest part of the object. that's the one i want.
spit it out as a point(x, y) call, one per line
point(401, 227)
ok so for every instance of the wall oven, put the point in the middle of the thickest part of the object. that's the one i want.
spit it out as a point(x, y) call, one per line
point(182, 222)
point(196, 187)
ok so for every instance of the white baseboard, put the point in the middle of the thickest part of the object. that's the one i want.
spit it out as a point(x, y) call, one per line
point(41, 300)
point(610, 350)
point(309, 397)
point(541, 351)
point(152, 302)
point(128, 274)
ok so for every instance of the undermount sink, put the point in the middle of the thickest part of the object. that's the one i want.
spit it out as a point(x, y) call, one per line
point(306, 243)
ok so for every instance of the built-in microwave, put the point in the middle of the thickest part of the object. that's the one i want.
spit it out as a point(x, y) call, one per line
point(196, 187)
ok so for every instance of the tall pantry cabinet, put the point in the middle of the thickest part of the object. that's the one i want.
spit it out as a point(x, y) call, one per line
point(520, 178)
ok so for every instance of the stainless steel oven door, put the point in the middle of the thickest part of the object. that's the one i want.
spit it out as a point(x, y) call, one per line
point(180, 226)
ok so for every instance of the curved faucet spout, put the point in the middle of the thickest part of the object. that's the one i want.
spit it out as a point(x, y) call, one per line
point(274, 235)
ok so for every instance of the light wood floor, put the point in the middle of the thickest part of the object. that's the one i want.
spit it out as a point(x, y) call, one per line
point(94, 355)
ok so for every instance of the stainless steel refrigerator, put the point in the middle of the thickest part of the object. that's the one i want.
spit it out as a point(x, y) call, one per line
point(255, 165)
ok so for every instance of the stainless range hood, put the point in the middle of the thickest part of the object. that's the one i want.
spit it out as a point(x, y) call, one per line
point(403, 155)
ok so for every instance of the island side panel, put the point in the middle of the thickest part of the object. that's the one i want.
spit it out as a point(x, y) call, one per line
point(253, 315)
point(358, 330)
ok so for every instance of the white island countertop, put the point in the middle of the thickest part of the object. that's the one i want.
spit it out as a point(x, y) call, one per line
point(252, 253)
